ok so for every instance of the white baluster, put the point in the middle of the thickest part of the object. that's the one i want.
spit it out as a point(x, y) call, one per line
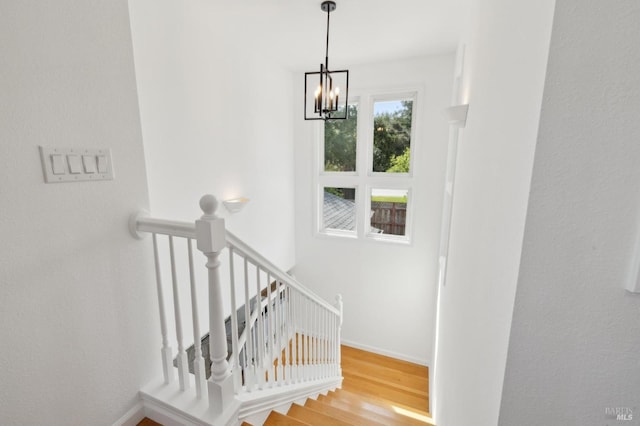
point(183, 363)
point(308, 338)
point(336, 345)
point(322, 340)
point(296, 336)
point(340, 306)
point(260, 349)
point(291, 356)
point(331, 346)
point(249, 372)
point(235, 348)
point(271, 317)
point(288, 365)
point(294, 346)
point(211, 237)
point(319, 340)
point(279, 325)
point(198, 362)
point(167, 369)
point(314, 352)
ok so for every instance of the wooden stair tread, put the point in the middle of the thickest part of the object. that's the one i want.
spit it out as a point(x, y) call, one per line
point(313, 417)
point(277, 419)
point(372, 409)
point(349, 416)
point(383, 401)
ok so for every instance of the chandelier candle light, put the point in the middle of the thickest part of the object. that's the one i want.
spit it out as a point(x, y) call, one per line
point(326, 102)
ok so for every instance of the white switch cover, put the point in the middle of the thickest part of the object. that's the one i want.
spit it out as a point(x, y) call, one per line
point(103, 164)
point(83, 164)
point(89, 162)
point(58, 165)
point(75, 166)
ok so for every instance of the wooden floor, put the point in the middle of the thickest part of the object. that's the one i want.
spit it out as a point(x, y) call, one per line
point(377, 390)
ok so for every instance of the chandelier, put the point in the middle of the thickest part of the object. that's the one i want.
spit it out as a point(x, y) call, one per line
point(331, 94)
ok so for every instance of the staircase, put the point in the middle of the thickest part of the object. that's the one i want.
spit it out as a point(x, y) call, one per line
point(277, 357)
point(377, 390)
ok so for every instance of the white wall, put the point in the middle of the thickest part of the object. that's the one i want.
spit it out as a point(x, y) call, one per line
point(506, 54)
point(575, 336)
point(388, 289)
point(216, 117)
point(77, 303)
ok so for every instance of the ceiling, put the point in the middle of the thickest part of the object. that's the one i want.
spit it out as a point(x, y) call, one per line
point(362, 31)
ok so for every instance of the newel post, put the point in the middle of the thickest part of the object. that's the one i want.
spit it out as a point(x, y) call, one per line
point(211, 239)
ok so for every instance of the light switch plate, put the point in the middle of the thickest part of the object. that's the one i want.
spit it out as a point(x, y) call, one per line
point(83, 164)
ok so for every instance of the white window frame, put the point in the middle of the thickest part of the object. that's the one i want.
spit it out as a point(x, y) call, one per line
point(407, 227)
point(413, 96)
point(331, 231)
point(364, 179)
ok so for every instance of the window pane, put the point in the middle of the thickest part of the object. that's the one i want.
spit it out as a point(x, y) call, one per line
point(392, 136)
point(340, 142)
point(389, 211)
point(339, 209)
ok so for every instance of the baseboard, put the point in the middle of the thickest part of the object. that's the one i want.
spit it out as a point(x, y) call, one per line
point(385, 352)
point(132, 417)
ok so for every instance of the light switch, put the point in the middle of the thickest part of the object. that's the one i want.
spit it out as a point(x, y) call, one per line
point(89, 162)
point(61, 165)
point(58, 165)
point(102, 164)
point(75, 167)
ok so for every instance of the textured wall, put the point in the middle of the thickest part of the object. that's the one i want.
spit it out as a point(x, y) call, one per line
point(78, 329)
point(575, 337)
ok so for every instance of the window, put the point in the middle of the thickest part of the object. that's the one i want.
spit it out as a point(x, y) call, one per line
point(392, 135)
point(339, 209)
point(389, 211)
point(340, 137)
point(365, 169)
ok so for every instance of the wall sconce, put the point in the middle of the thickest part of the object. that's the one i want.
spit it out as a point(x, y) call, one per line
point(234, 205)
point(457, 115)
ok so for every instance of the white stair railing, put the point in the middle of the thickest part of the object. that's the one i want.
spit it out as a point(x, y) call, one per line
point(288, 338)
point(291, 336)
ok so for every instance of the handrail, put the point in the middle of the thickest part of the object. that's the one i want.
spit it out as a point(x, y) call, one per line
point(188, 230)
point(260, 260)
point(164, 226)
